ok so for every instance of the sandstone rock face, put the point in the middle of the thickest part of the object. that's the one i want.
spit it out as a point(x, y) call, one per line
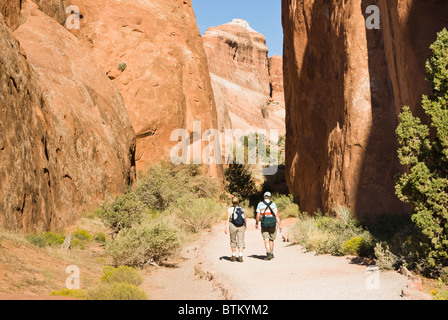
point(165, 83)
point(55, 9)
point(10, 9)
point(276, 74)
point(239, 67)
point(65, 137)
point(344, 86)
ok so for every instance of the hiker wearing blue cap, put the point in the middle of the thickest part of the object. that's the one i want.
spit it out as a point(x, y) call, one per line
point(270, 220)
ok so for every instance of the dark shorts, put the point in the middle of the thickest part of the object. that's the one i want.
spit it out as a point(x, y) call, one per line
point(269, 233)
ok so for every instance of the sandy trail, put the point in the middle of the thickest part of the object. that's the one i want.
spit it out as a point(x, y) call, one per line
point(292, 275)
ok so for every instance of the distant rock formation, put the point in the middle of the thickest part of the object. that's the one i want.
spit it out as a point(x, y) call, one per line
point(241, 78)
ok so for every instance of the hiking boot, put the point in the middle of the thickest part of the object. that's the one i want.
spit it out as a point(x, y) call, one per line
point(269, 256)
point(240, 259)
point(233, 258)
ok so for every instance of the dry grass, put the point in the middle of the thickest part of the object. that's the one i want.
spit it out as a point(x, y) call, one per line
point(26, 269)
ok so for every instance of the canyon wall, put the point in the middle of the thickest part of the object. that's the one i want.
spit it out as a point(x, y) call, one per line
point(344, 87)
point(83, 109)
point(165, 82)
point(241, 78)
point(66, 140)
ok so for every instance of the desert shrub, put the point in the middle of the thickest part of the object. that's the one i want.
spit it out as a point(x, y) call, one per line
point(45, 239)
point(357, 246)
point(82, 235)
point(291, 210)
point(122, 274)
point(239, 181)
point(398, 237)
point(122, 66)
point(196, 214)
point(142, 245)
point(423, 149)
point(286, 206)
point(74, 293)
point(123, 212)
point(384, 258)
point(441, 292)
point(54, 239)
point(38, 239)
point(115, 291)
point(100, 237)
point(164, 183)
point(326, 234)
point(306, 232)
point(282, 201)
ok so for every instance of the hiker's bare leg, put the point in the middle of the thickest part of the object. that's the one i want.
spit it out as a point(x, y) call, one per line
point(266, 245)
point(271, 246)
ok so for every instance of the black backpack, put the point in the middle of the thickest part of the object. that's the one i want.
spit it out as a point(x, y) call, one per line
point(238, 217)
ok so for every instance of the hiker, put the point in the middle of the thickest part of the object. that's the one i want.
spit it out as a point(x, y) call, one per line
point(270, 220)
point(236, 228)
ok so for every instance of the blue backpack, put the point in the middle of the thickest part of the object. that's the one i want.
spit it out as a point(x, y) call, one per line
point(238, 217)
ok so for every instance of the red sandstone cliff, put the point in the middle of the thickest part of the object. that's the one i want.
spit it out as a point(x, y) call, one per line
point(68, 112)
point(65, 137)
point(344, 86)
point(166, 83)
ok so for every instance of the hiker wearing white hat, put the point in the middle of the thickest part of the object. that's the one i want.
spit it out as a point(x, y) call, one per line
point(270, 220)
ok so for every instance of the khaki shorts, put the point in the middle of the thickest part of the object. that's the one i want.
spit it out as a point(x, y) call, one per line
point(269, 233)
point(236, 236)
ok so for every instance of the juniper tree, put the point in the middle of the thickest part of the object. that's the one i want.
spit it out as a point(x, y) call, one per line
point(423, 149)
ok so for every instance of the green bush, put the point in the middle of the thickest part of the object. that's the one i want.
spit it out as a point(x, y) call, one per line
point(384, 258)
point(441, 293)
point(165, 183)
point(38, 239)
point(239, 181)
point(425, 184)
point(286, 206)
point(122, 66)
point(282, 201)
point(100, 237)
point(142, 245)
point(357, 246)
point(116, 291)
point(74, 293)
point(123, 212)
point(122, 274)
point(326, 234)
point(45, 239)
point(82, 235)
point(196, 215)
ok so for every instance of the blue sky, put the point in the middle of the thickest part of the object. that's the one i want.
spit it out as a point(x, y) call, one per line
point(263, 15)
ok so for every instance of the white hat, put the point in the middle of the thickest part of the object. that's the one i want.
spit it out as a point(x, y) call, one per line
point(267, 194)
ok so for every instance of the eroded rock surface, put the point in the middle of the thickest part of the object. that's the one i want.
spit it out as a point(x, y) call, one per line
point(344, 87)
point(65, 137)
